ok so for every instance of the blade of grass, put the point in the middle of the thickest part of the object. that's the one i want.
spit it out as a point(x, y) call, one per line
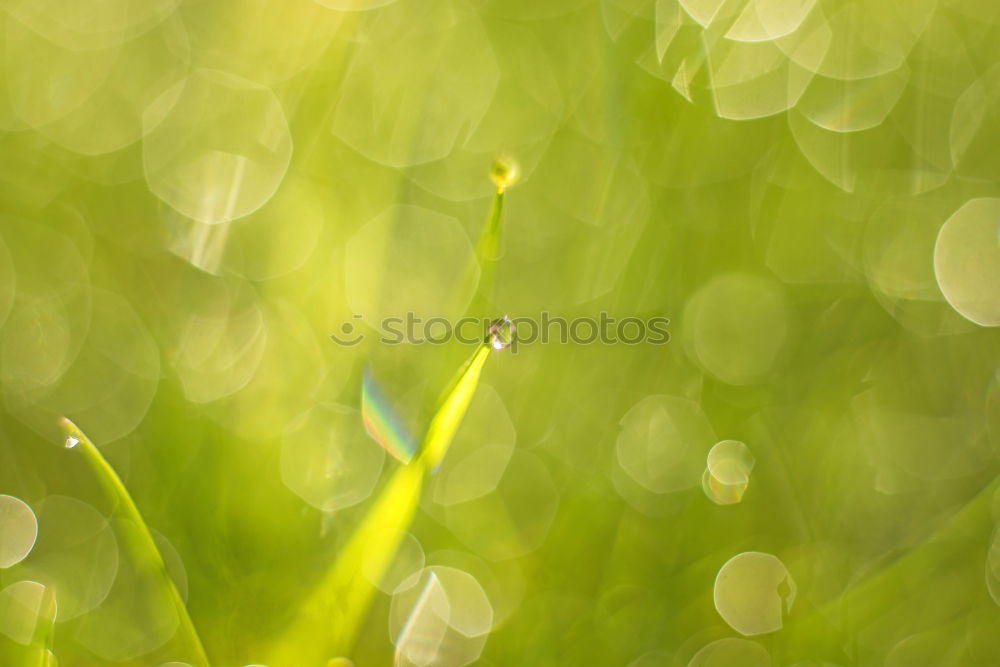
point(145, 551)
point(488, 247)
point(344, 595)
point(451, 409)
point(328, 622)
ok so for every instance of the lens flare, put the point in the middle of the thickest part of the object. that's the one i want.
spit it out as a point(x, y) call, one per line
point(382, 423)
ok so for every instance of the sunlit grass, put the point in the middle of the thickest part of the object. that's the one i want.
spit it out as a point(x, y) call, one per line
point(342, 598)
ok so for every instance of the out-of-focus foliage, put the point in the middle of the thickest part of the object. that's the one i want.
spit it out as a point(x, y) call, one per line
point(195, 195)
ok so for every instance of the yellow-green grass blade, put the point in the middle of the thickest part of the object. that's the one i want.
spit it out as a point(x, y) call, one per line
point(487, 252)
point(458, 394)
point(448, 416)
point(143, 550)
point(489, 245)
point(329, 621)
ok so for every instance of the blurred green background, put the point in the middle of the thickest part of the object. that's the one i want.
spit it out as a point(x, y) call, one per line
point(196, 194)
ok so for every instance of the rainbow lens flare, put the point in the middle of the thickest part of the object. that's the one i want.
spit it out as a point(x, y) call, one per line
point(382, 423)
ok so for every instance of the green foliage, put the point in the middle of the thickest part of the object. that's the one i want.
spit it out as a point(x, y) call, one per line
point(198, 200)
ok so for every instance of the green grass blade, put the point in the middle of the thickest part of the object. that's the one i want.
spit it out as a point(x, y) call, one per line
point(489, 246)
point(145, 551)
point(329, 621)
point(344, 596)
point(487, 252)
point(451, 410)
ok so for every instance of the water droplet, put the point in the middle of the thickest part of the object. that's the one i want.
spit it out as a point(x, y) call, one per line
point(501, 333)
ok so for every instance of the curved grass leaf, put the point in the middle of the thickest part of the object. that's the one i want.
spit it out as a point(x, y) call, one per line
point(143, 550)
